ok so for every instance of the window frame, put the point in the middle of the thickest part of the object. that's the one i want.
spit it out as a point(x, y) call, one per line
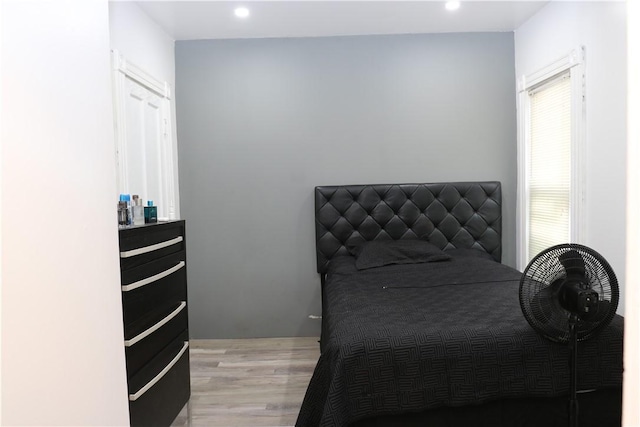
point(573, 63)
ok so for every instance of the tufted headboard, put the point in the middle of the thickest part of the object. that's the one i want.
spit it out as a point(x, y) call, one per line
point(449, 215)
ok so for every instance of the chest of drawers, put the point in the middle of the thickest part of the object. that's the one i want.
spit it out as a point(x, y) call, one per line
point(156, 335)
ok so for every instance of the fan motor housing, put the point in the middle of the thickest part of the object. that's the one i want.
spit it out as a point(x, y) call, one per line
point(577, 297)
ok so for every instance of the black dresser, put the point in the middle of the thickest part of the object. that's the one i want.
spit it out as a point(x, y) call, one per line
point(153, 276)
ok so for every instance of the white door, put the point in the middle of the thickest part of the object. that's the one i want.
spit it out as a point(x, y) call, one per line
point(143, 137)
point(144, 134)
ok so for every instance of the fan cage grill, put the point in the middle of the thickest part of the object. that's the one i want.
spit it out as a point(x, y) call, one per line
point(539, 301)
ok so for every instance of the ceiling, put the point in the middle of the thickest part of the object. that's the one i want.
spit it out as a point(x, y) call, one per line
point(192, 20)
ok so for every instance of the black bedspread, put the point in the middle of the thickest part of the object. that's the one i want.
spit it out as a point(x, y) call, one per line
point(407, 338)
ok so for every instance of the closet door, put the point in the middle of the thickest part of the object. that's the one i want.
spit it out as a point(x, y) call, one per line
point(144, 147)
point(144, 132)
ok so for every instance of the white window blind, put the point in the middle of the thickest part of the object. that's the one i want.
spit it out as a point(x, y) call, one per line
point(549, 165)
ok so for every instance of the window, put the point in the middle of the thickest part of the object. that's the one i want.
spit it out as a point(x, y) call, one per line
point(549, 165)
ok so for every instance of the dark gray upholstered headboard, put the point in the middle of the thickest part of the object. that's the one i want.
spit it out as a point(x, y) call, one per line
point(449, 215)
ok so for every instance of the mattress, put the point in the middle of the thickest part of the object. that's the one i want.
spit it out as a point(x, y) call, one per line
point(409, 338)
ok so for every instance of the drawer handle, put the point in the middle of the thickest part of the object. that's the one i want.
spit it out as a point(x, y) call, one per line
point(143, 390)
point(151, 279)
point(150, 248)
point(146, 333)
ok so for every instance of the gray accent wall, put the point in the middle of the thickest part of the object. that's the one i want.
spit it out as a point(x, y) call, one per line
point(261, 122)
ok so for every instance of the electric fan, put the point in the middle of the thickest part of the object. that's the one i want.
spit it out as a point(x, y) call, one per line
point(568, 293)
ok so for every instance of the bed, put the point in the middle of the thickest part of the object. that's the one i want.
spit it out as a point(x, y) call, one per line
point(422, 324)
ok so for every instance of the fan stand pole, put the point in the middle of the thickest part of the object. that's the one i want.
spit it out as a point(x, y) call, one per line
point(573, 347)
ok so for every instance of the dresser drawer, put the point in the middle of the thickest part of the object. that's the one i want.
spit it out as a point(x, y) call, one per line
point(143, 344)
point(150, 272)
point(159, 295)
point(141, 245)
point(161, 388)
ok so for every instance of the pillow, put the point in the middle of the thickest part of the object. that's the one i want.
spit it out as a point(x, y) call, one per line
point(342, 264)
point(378, 253)
point(469, 252)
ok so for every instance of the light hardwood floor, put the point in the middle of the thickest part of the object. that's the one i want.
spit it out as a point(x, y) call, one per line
point(248, 382)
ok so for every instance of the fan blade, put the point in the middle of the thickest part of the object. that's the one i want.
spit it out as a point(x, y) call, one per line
point(545, 302)
point(573, 263)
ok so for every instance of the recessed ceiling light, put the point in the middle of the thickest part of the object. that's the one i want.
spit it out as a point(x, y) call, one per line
point(452, 5)
point(241, 12)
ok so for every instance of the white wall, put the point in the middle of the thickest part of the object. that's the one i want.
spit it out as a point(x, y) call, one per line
point(631, 414)
point(601, 27)
point(145, 44)
point(63, 359)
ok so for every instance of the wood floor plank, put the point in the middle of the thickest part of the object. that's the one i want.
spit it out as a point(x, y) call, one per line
point(248, 382)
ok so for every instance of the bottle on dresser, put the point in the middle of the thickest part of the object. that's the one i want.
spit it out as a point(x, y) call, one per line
point(138, 210)
point(122, 212)
point(150, 212)
point(125, 212)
